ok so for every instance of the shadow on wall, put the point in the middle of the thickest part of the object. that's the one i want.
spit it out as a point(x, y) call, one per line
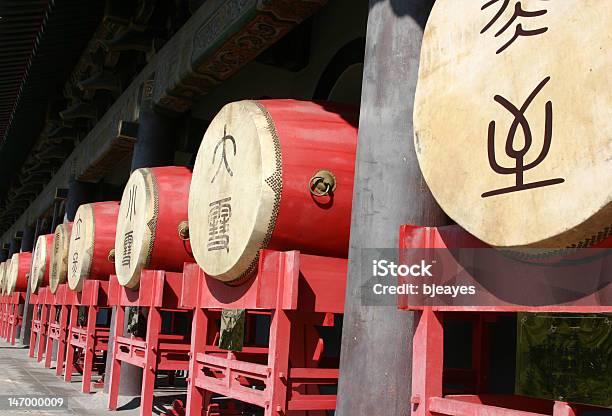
point(417, 9)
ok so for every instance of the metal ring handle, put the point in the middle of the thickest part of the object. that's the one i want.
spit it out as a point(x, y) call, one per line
point(111, 256)
point(325, 178)
point(314, 181)
point(183, 230)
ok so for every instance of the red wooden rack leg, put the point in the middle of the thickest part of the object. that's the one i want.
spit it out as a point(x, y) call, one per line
point(49, 341)
point(61, 348)
point(74, 315)
point(41, 338)
point(15, 323)
point(150, 368)
point(195, 396)
point(280, 334)
point(33, 333)
point(428, 346)
point(89, 349)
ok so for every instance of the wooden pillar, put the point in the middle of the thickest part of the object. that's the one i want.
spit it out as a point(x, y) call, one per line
point(15, 245)
point(154, 147)
point(156, 140)
point(376, 358)
point(78, 193)
point(4, 252)
point(157, 134)
point(59, 206)
point(27, 239)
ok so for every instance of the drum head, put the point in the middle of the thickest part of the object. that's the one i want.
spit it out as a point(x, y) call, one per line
point(2, 272)
point(235, 191)
point(80, 254)
point(59, 256)
point(513, 132)
point(136, 227)
point(39, 263)
point(7, 266)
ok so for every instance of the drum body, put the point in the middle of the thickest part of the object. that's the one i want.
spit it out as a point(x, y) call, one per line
point(17, 275)
point(91, 243)
point(153, 209)
point(274, 174)
point(41, 262)
point(59, 256)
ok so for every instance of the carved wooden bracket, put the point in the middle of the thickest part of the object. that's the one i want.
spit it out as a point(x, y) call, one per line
point(217, 43)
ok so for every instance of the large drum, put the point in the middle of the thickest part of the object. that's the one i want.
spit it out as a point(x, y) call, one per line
point(274, 174)
point(152, 228)
point(91, 243)
point(513, 121)
point(59, 256)
point(41, 262)
point(17, 274)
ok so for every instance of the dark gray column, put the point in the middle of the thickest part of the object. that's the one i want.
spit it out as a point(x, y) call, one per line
point(156, 140)
point(154, 147)
point(59, 210)
point(78, 193)
point(27, 244)
point(389, 191)
point(27, 239)
point(15, 245)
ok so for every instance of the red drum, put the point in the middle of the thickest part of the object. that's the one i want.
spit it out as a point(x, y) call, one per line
point(152, 223)
point(41, 262)
point(91, 243)
point(59, 256)
point(17, 275)
point(272, 174)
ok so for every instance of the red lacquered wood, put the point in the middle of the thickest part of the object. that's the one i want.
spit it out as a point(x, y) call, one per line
point(24, 260)
point(314, 136)
point(105, 214)
point(169, 251)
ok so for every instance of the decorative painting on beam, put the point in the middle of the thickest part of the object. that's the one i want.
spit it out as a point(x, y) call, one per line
point(229, 38)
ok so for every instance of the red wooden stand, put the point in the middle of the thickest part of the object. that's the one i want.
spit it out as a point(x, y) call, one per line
point(429, 398)
point(38, 330)
point(57, 329)
point(298, 292)
point(88, 341)
point(4, 314)
point(159, 291)
point(13, 315)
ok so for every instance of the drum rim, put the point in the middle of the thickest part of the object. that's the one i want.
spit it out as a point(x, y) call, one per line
point(148, 238)
point(62, 269)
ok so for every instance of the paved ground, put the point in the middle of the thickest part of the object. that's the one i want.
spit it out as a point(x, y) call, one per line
point(21, 375)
